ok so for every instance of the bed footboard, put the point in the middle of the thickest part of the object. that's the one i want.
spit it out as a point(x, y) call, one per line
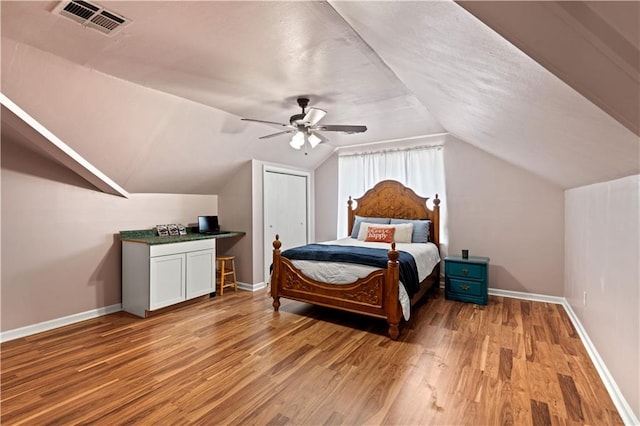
point(374, 295)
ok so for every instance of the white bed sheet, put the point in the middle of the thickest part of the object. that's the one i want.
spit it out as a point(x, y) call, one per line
point(425, 255)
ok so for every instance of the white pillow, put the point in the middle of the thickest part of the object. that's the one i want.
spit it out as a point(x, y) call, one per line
point(402, 235)
point(364, 229)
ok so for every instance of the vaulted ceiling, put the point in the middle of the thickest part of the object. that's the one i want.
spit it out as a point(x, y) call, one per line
point(551, 87)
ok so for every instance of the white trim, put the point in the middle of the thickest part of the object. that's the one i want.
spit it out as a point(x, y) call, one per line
point(59, 322)
point(59, 150)
point(252, 287)
point(625, 411)
point(527, 296)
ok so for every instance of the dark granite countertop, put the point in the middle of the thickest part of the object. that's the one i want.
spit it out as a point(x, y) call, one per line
point(150, 236)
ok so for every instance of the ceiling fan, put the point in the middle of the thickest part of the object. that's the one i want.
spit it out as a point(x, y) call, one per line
point(305, 127)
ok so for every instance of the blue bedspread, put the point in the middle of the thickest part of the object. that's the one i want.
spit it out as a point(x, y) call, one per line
point(376, 257)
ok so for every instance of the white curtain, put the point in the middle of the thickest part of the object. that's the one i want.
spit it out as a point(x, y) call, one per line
point(420, 168)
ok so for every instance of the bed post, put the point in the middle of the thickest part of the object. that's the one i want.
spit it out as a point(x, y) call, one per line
point(275, 274)
point(350, 216)
point(392, 305)
point(436, 221)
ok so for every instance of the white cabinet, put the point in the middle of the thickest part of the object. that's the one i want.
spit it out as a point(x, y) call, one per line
point(155, 276)
point(201, 273)
point(166, 280)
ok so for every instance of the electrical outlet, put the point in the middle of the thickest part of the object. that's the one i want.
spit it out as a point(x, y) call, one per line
point(584, 298)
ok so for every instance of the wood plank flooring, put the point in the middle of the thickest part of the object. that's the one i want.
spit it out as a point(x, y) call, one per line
point(232, 360)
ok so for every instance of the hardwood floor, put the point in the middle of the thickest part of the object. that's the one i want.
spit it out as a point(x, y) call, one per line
point(231, 360)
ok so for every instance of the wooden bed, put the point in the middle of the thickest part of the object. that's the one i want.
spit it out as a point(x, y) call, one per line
point(377, 294)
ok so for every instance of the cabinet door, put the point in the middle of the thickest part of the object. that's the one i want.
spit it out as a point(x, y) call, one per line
point(200, 273)
point(167, 280)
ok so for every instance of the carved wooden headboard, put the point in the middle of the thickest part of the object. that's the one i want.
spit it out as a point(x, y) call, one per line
point(390, 198)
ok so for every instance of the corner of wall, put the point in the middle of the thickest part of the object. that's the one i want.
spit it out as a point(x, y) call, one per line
point(235, 208)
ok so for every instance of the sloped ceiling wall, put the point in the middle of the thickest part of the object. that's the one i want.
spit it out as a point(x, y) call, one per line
point(592, 46)
point(157, 107)
point(146, 140)
point(488, 93)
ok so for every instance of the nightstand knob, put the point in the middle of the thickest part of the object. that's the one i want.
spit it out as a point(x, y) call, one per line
point(465, 272)
point(465, 287)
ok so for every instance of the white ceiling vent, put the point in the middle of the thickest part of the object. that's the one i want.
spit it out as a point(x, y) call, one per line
point(92, 16)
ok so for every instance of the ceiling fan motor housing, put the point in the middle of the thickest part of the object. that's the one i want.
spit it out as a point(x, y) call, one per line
point(295, 118)
point(302, 103)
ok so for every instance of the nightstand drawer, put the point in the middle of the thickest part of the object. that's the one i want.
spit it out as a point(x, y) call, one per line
point(471, 288)
point(465, 270)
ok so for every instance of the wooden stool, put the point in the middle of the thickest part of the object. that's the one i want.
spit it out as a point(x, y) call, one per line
point(227, 268)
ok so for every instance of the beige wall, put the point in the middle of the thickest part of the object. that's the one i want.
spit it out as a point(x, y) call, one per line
point(326, 201)
point(235, 213)
point(494, 210)
point(602, 238)
point(61, 251)
point(257, 221)
point(507, 214)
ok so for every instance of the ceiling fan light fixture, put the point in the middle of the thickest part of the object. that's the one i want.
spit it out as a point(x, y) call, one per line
point(314, 140)
point(297, 141)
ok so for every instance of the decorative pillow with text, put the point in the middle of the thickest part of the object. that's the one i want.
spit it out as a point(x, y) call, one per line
point(379, 234)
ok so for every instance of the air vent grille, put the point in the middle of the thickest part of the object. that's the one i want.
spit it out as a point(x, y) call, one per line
point(91, 16)
point(81, 9)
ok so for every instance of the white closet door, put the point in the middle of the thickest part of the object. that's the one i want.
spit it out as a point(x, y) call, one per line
point(285, 212)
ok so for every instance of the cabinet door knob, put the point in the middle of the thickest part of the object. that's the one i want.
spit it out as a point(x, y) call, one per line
point(465, 272)
point(465, 287)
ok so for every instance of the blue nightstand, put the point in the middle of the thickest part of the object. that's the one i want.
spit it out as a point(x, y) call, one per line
point(466, 280)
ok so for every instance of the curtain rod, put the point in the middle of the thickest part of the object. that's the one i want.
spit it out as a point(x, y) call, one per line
point(382, 151)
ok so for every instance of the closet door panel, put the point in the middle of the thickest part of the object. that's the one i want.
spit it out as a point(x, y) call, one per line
point(285, 212)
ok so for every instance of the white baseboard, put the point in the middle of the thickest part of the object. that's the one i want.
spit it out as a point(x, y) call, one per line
point(527, 296)
point(252, 287)
point(625, 411)
point(72, 319)
point(59, 322)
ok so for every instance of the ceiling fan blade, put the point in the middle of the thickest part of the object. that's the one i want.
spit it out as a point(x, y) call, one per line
point(320, 136)
point(313, 116)
point(265, 122)
point(276, 134)
point(341, 128)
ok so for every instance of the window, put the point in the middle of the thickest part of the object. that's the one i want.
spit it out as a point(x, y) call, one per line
point(419, 168)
